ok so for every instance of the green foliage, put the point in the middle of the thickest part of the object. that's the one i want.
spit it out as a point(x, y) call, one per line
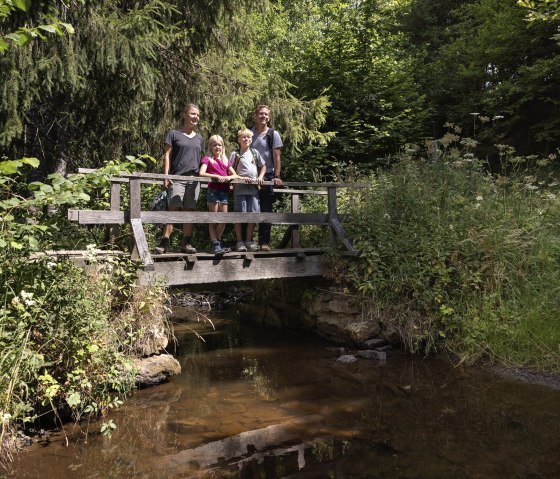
point(454, 258)
point(353, 53)
point(121, 82)
point(26, 222)
point(67, 336)
point(483, 56)
point(548, 10)
point(24, 35)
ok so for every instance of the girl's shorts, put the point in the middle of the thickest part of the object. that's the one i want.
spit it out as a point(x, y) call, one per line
point(217, 196)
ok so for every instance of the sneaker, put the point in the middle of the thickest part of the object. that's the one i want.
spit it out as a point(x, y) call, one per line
point(218, 248)
point(251, 246)
point(240, 246)
point(265, 247)
point(188, 248)
point(163, 246)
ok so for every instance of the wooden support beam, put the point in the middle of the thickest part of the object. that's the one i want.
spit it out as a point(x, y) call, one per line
point(134, 212)
point(141, 245)
point(224, 269)
point(341, 233)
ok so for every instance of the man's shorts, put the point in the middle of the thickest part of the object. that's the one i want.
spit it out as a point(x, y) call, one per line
point(217, 196)
point(247, 203)
point(183, 195)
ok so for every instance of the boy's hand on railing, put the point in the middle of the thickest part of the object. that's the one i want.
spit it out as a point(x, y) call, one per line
point(167, 183)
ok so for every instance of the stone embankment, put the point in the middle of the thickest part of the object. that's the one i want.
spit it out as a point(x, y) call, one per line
point(333, 315)
point(154, 365)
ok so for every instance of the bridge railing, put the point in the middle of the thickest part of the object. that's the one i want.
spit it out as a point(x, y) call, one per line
point(137, 217)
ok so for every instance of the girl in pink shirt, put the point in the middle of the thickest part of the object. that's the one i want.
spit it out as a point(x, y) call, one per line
point(217, 166)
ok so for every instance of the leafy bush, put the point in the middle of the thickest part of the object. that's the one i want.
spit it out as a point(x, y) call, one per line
point(456, 258)
point(67, 334)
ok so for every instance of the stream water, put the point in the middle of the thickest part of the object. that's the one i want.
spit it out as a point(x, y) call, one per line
point(255, 402)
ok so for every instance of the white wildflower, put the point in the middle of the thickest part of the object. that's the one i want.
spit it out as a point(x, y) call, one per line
point(27, 298)
point(479, 198)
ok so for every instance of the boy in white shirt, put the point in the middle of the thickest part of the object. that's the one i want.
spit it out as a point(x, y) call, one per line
point(249, 166)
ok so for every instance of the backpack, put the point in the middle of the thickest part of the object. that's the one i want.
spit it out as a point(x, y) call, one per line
point(238, 157)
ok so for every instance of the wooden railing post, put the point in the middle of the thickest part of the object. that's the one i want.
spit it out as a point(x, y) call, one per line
point(295, 228)
point(332, 212)
point(113, 231)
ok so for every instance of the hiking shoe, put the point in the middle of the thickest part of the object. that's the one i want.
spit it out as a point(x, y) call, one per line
point(251, 246)
point(265, 247)
point(218, 248)
point(163, 247)
point(241, 246)
point(188, 248)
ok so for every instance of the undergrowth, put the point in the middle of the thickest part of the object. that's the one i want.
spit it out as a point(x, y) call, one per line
point(68, 337)
point(456, 258)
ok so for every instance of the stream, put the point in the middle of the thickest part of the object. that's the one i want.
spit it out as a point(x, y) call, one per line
point(260, 402)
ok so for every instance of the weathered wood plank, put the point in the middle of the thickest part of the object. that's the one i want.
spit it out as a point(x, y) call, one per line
point(204, 256)
point(341, 233)
point(141, 244)
point(175, 273)
point(160, 217)
point(161, 177)
point(295, 228)
point(113, 231)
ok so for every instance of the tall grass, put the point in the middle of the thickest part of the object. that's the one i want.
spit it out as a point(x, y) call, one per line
point(456, 258)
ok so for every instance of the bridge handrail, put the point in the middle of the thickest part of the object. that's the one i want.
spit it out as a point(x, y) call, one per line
point(154, 178)
point(135, 216)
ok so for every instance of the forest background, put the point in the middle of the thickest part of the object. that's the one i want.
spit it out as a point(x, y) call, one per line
point(449, 108)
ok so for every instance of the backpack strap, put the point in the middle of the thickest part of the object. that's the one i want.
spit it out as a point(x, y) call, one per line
point(254, 152)
point(236, 160)
point(270, 138)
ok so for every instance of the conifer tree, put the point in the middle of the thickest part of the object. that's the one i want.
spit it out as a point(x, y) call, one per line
point(119, 83)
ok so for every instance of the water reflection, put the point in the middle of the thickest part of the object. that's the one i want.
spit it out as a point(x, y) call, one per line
point(262, 403)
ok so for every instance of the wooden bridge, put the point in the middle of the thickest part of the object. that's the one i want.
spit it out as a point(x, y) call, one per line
point(182, 269)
